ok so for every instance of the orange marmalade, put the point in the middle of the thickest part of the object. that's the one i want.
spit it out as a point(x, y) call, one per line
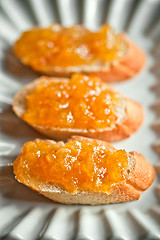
point(57, 46)
point(82, 102)
point(75, 166)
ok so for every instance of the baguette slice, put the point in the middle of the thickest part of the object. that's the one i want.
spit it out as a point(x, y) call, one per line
point(115, 71)
point(140, 177)
point(131, 119)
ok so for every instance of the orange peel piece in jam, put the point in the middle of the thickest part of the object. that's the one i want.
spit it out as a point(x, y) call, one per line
point(57, 46)
point(78, 165)
point(83, 102)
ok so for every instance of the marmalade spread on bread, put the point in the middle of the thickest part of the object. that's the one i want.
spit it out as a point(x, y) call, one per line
point(83, 102)
point(57, 46)
point(78, 165)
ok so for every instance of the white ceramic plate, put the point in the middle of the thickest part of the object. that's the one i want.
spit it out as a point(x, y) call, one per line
point(23, 213)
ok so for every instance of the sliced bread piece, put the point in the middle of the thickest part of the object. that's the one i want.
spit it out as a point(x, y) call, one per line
point(129, 120)
point(117, 70)
point(140, 176)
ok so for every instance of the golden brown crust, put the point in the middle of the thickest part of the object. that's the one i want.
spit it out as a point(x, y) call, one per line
point(124, 193)
point(131, 122)
point(143, 174)
point(116, 71)
point(128, 67)
point(139, 179)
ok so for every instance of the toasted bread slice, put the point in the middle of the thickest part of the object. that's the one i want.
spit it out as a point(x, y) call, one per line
point(131, 117)
point(140, 176)
point(114, 71)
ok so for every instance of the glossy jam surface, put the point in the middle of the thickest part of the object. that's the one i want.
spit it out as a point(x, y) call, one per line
point(62, 47)
point(82, 102)
point(77, 165)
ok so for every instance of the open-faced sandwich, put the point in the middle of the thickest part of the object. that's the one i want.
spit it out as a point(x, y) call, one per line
point(83, 171)
point(84, 105)
point(61, 51)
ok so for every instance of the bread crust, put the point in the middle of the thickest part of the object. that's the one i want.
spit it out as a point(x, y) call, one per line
point(140, 177)
point(131, 122)
point(115, 71)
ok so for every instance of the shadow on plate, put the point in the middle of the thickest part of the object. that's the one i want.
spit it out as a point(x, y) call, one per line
point(13, 190)
point(14, 127)
point(14, 68)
